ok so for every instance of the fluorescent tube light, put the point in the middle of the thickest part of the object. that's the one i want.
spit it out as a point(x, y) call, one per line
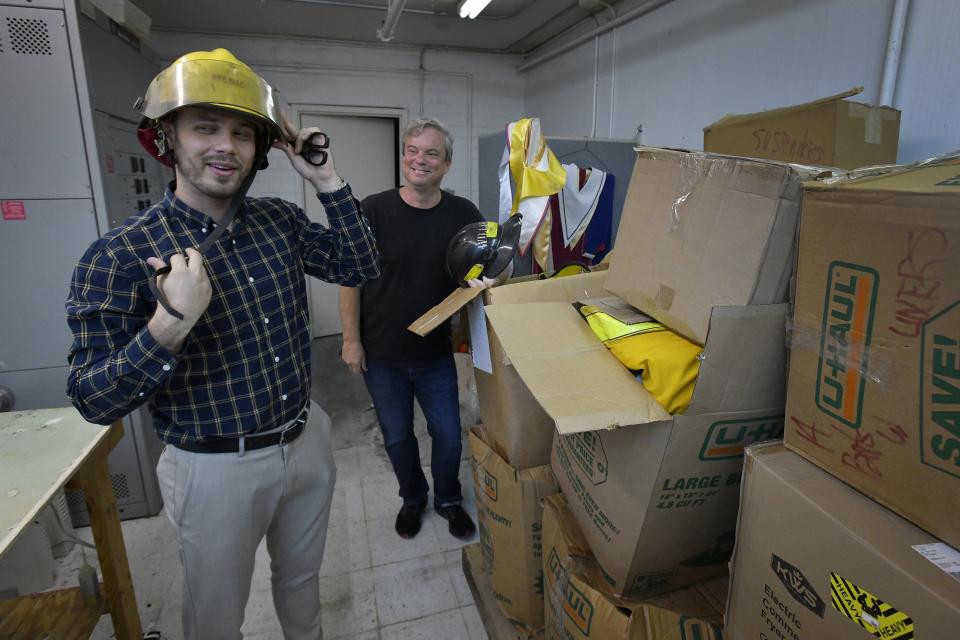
point(472, 8)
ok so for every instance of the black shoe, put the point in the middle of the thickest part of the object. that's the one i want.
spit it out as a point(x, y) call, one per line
point(408, 520)
point(461, 526)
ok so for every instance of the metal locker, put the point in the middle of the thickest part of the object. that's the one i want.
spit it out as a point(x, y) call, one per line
point(66, 126)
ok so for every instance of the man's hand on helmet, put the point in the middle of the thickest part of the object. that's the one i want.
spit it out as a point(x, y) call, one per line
point(324, 177)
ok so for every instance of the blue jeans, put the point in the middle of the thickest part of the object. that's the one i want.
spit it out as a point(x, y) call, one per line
point(434, 385)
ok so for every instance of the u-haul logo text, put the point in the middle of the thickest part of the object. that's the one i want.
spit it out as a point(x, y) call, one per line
point(489, 483)
point(940, 391)
point(577, 608)
point(727, 438)
point(848, 308)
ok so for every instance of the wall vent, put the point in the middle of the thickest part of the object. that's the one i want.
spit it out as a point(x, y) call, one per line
point(29, 37)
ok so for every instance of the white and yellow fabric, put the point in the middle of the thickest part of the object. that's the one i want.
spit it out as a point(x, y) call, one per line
point(577, 204)
point(535, 174)
point(669, 362)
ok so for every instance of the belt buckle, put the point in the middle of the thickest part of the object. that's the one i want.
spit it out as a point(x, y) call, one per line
point(298, 423)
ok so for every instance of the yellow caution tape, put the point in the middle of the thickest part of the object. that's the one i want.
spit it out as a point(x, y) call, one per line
point(868, 611)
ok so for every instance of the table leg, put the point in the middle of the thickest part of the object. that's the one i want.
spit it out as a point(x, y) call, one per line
point(94, 478)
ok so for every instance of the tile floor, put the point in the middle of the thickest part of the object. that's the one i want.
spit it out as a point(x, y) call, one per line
point(373, 584)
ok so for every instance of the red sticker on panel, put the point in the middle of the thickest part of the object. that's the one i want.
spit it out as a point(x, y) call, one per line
point(13, 210)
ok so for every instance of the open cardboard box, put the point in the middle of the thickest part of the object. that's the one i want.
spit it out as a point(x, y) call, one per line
point(656, 495)
point(513, 421)
point(704, 231)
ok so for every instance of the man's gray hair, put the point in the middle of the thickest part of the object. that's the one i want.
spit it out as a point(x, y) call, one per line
point(417, 126)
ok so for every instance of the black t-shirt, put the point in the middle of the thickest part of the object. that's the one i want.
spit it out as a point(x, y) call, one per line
point(413, 274)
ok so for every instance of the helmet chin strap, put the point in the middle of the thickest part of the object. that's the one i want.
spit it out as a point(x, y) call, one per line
point(235, 202)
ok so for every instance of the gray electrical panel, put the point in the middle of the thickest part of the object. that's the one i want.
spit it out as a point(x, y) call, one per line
point(72, 169)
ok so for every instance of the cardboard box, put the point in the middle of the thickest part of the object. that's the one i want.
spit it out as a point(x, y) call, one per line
point(830, 131)
point(517, 427)
point(509, 515)
point(874, 386)
point(579, 605)
point(705, 231)
point(817, 560)
point(656, 496)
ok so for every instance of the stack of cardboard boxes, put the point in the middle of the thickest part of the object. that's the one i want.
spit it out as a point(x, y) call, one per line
point(865, 541)
point(636, 544)
point(705, 245)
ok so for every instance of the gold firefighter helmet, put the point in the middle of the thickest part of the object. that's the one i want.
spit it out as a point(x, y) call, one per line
point(215, 79)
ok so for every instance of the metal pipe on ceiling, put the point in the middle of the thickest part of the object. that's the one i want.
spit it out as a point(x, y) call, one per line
point(394, 9)
point(425, 12)
point(633, 14)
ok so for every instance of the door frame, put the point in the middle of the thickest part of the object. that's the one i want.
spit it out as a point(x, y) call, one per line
point(399, 115)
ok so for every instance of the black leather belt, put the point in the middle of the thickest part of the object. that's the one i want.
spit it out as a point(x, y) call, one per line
point(251, 442)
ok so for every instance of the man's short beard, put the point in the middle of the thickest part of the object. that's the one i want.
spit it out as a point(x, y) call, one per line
point(227, 191)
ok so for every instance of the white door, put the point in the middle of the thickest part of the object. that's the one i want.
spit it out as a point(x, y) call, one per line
point(365, 150)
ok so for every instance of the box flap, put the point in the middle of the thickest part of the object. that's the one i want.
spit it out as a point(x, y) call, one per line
point(730, 120)
point(937, 175)
point(568, 370)
point(617, 309)
point(566, 288)
point(705, 231)
point(744, 362)
point(440, 312)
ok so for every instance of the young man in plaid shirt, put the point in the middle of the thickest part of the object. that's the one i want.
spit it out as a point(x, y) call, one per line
point(197, 306)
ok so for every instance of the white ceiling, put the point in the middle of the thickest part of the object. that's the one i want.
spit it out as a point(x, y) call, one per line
point(505, 26)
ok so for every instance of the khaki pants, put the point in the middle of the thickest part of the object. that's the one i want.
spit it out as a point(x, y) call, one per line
point(223, 504)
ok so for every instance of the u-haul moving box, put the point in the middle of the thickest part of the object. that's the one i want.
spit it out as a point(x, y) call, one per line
point(517, 426)
point(700, 231)
point(509, 515)
point(513, 422)
point(874, 386)
point(579, 605)
point(830, 131)
point(656, 495)
point(817, 560)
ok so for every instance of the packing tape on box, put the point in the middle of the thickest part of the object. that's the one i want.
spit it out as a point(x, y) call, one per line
point(850, 353)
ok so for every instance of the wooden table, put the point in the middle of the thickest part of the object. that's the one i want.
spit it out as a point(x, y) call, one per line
point(40, 452)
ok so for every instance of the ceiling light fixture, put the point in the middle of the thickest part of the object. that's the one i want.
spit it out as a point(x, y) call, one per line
point(472, 8)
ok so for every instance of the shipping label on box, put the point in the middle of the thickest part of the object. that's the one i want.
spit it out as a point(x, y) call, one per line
point(874, 387)
point(509, 515)
point(816, 559)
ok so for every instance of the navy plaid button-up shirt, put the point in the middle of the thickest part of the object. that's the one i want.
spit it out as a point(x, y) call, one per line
point(245, 366)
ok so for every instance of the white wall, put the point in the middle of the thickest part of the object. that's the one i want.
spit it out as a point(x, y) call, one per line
point(473, 94)
point(686, 64)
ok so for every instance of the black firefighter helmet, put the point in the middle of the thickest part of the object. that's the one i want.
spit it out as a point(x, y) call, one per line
point(482, 249)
